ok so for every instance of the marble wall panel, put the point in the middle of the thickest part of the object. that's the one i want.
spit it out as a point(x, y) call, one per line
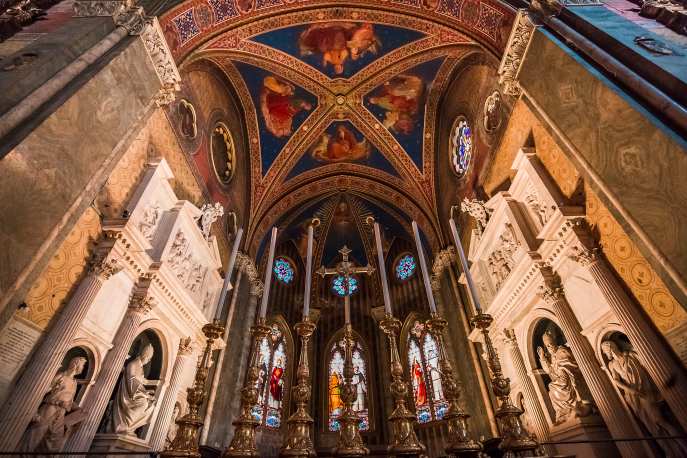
point(640, 162)
point(47, 181)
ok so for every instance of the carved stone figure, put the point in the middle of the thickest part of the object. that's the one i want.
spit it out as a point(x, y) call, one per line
point(541, 211)
point(567, 389)
point(151, 216)
point(172, 431)
point(501, 261)
point(210, 214)
point(134, 403)
point(178, 251)
point(642, 397)
point(477, 210)
point(492, 112)
point(56, 416)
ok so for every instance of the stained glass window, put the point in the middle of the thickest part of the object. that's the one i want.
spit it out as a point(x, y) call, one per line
point(461, 146)
point(336, 383)
point(272, 359)
point(405, 267)
point(343, 288)
point(283, 270)
point(423, 364)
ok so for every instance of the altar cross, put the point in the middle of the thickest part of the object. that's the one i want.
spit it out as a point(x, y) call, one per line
point(345, 269)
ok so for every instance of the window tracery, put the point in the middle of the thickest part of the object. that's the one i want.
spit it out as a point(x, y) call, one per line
point(405, 267)
point(344, 288)
point(423, 364)
point(461, 146)
point(283, 270)
point(336, 380)
point(272, 363)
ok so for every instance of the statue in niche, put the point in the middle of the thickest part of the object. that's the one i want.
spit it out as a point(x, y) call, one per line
point(642, 397)
point(567, 389)
point(172, 431)
point(492, 112)
point(56, 416)
point(134, 403)
point(211, 213)
point(151, 216)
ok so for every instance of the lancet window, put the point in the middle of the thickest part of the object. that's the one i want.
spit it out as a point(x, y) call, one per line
point(272, 363)
point(423, 364)
point(335, 404)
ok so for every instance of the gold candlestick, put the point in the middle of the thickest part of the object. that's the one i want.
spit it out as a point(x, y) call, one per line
point(404, 441)
point(187, 440)
point(515, 437)
point(243, 442)
point(350, 443)
point(460, 443)
point(298, 442)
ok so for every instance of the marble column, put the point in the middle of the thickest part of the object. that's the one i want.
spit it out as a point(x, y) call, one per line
point(44, 363)
point(652, 350)
point(605, 396)
point(534, 408)
point(96, 402)
point(164, 416)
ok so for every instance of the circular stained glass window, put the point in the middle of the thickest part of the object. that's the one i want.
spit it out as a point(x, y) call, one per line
point(283, 270)
point(343, 287)
point(405, 267)
point(461, 146)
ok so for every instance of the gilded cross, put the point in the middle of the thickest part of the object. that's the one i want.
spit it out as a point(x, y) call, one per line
point(345, 269)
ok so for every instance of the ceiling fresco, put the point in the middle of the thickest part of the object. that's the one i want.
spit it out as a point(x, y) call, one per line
point(340, 105)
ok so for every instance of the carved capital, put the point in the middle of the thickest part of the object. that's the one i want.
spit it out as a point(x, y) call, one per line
point(551, 288)
point(141, 301)
point(185, 346)
point(518, 42)
point(132, 19)
point(584, 255)
point(104, 267)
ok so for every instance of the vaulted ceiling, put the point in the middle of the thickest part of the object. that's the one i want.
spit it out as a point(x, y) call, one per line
point(340, 106)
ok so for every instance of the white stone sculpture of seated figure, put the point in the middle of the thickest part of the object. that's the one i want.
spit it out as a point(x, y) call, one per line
point(134, 403)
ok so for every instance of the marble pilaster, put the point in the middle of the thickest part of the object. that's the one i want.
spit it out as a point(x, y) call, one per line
point(652, 350)
point(96, 402)
point(164, 416)
point(35, 380)
point(610, 406)
point(534, 408)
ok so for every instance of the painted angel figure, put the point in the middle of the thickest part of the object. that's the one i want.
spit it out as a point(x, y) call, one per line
point(279, 104)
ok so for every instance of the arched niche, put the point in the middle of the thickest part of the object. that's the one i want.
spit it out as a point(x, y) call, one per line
point(537, 330)
point(153, 372)
point(276, 363)
point(331, 366)
point(83, 379)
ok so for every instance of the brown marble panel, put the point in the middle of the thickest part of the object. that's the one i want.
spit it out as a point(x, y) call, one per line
point(642, 165)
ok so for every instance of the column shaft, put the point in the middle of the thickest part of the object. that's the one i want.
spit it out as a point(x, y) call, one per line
point(652, 350)
point(164, 416)
point(98, 397)
point(605, 396)
point(534, 409)
point(35, 380)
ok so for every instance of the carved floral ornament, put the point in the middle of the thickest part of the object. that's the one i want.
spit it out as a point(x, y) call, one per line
point(519, 41)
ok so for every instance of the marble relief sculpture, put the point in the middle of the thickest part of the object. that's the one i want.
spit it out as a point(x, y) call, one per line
point(642, 397)
point(540, 210)
point(151, 216)
point(189, 272)
point(567, 389)
point(134, 402)
point(500, 261)
point(56, 416)
point(211, 213)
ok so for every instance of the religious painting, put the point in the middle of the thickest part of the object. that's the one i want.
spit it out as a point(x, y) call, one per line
point(399, 105)
point(338, 49)
point(279, 105)
point(400, 99)
point(336, 383)
point(272, 360)
point(341, 142)
point(423, 365)
point(460, 148)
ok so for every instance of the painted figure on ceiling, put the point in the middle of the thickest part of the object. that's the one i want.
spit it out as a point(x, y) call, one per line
point(337, 41)
point(400, 97)
point(342, 146)
point(279, 105)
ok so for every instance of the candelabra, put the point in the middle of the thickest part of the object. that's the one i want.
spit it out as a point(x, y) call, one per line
point(186, 441)
point(515, 439)
point(298, 442)
point(243, 442)
point(404, 441)
point(350, 443)
point(460, 443)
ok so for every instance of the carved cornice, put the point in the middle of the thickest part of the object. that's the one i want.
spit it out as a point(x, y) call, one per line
point(518, 42)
